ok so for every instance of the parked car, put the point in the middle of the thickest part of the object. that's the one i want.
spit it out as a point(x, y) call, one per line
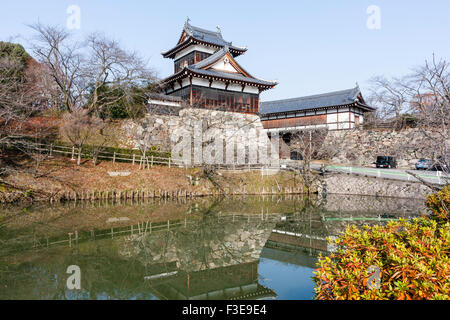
point(386, 162)
point(424, 164)
point(427, 164)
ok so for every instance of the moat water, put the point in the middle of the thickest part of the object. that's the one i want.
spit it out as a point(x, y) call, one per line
point(207, 248)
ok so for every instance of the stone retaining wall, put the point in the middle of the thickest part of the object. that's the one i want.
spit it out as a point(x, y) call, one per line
point(361, 147)
point(371, 186)
point(240, 134)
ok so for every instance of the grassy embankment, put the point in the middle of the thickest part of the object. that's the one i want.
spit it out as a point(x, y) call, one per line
point(60, 176)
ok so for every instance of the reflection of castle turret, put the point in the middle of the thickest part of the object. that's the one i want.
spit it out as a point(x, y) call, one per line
point(232, 282)
point(207, 259)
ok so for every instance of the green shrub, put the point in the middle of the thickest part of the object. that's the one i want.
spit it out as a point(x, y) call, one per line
point(439, 204)
point(413, 258)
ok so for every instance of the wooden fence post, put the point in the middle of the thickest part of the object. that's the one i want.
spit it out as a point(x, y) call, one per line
point(114, 157)
point(134, 158)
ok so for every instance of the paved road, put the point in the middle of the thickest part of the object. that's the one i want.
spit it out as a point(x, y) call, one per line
point(438, 177)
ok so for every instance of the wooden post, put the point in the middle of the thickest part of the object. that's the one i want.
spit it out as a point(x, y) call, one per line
point(152, 161)
point(134, 158)
point(169, 162)
point(73, 153)
point(114, 157)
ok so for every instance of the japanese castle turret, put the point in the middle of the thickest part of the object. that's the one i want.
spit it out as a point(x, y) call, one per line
point(207, 75)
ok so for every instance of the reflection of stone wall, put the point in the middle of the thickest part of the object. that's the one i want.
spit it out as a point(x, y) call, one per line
point(378, 205)
point(205, 244)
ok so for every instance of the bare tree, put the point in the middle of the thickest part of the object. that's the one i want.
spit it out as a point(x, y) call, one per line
point(64, 61)
point(229, 128)
point(86, 74)
point(19, 99)
point(101, 138)
point(424, 93)
point(308, 145)
point(78, 127)
point(429, 91)
point(111, 66)
point(390, 97)
point(215, 136)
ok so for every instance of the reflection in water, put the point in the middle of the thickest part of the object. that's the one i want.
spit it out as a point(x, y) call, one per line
point(211, 257)
point(288, 273)
point(233, 248)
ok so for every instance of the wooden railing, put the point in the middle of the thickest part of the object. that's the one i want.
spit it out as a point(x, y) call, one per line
point(144, 161)
point(72, 152)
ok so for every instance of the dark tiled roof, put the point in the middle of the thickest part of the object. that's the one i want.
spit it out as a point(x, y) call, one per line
point(205, 35)
point(329, 99)
point(231, 76)
point(212, 37)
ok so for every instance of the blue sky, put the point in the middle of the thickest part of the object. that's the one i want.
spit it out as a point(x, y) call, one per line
point(309, 47)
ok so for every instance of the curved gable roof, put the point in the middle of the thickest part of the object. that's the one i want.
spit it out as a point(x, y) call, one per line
point(202, 35)
point(216, 57)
